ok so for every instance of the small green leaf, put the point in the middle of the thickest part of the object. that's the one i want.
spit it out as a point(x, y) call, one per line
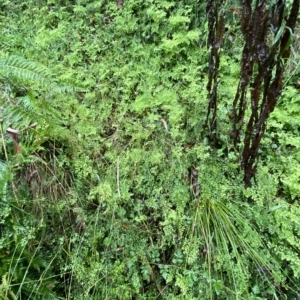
point(255, 289)
point(218, 286)
point(164, 275)
point(278, 34)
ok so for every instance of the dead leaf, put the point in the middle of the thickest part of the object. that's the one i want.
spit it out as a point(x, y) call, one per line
point(120, 4)
point(14, 136)
point(164, 123)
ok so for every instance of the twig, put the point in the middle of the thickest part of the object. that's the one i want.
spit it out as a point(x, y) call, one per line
point(13, 131)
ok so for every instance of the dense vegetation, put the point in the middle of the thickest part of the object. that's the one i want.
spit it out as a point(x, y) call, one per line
point(121, 176)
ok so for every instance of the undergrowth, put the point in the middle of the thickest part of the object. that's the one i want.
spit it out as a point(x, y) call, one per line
point(111, 190)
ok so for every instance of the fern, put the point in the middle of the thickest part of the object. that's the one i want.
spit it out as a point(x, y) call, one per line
point(20, 112)
point(152, 231)
point(16, 68)
point(5, 176)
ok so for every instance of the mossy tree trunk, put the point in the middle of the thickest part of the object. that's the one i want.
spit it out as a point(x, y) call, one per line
point(267, 30)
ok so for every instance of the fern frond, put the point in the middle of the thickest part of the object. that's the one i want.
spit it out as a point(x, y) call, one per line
point(29, 110)
point(69, 87)
point(15, 68)
point(5, 176)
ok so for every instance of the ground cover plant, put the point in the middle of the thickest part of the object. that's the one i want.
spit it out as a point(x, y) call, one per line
point(136, 160)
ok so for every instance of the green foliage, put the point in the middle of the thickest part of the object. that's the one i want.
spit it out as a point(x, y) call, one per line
point(101, 202)
point(14, 68)
point(282, 143)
